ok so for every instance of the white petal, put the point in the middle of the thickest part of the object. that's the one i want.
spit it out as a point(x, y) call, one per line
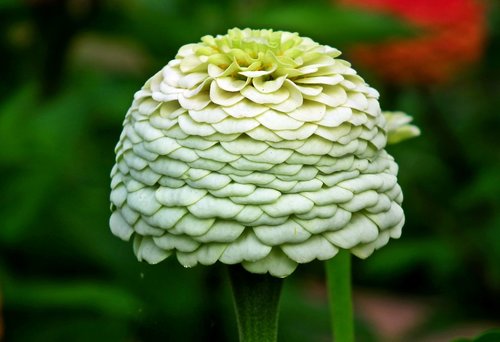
point(329, 80)
point(357, 101)
point(275, 263)
point(210, 114)
point(329, 196)
point(332, 96)
point(160, 122)
point(148, 106)
point(244, 146)
point(143, 201)
point(336, 116)
point(359, 230)
point(311, 90)
point(144, 229)
point(231, 84)
point(119, 227)
point(171, 110)
point(212, 181)
point(179, 197)
point(206, 255)
point(234, 189)
point(249, 214)
point(309, 112)
point(192, 79)
point(360, 201)
point(222, 97)
point(209, 207)
point(335, 178)
point(184, 154)
point(362, 183)
point(146, 131)
point(303, 132)
point(197, 102)
point(335, 134)
point(166, 218)
point(129, 215)
point(389, 218)
point(271, 155)
point(309, 185)
point(288, 204)
point(197, 143)
point(259, 196)
point(256, 96)
point(192, 226)
point(288, 232)
point(195, 174)
point(299, 159)
point(255, 178)
point(162, 146)
point(337, 220)
point(263, 134)
point(169, 167)
point(257, 73)
point(222, 231)
point(191, 127)
point(219, 154)
point(118, 195)
point(247, 247)
point(177, 242)
point(231, 126)
point(146, 176)
point(268, 86)
point(171, 75)
point(293, 101)
point(277, 121)
point(145, 249)
point(316, 247)
point(316, 146)
point(247, 165)
point(245, 109)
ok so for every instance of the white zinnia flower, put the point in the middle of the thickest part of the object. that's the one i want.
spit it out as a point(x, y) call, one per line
point(257, 147)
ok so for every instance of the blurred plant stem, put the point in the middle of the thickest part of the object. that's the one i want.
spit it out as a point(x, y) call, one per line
point(338, 274)
point(256, 300)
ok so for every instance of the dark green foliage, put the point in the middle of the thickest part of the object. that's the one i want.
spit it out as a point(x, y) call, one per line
point(489, 336)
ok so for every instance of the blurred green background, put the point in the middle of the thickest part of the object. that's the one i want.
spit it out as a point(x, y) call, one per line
point(68, 72)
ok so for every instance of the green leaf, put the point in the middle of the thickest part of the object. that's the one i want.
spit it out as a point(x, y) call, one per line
point(329, 24)
point(89, 295)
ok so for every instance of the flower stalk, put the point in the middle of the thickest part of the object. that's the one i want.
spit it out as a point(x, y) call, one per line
point(256, 301)
point(338, 273)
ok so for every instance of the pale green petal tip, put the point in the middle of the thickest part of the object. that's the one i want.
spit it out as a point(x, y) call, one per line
point(399, 127)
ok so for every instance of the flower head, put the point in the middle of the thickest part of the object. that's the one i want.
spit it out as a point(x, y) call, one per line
point(256, 147)
point(452, 34)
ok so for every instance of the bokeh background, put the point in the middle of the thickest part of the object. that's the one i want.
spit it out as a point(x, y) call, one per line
point(68, 71)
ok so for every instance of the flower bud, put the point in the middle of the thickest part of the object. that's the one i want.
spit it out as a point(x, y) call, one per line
point(399, 128)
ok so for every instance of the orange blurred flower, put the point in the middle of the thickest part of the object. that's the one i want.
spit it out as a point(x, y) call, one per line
point(451, 38)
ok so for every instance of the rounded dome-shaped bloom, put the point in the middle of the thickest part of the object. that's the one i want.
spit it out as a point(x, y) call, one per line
point(257, 147)
point(451, 36)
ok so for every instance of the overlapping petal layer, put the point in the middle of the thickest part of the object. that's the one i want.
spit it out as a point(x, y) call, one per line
point(256, 147)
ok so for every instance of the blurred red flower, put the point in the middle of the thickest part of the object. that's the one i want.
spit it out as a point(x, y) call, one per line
point(452, 36)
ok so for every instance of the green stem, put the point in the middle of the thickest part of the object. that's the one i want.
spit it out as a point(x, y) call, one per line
point(256, 300)
point(338, 273)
